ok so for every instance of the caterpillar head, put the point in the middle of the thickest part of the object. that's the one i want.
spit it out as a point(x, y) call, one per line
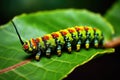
point(26, 47)
point(30, 46)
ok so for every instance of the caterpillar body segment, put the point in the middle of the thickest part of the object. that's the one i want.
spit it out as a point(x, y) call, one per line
point(81, 36)
point(99, 38)
point(89, 36)
point(69, 39)
point(59, 40)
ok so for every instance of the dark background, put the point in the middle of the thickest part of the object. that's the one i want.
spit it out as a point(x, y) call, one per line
point(10, 8)
point(106, 67)
point(102, 68)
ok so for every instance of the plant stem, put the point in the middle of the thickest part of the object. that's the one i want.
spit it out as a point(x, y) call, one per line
point(112, 44)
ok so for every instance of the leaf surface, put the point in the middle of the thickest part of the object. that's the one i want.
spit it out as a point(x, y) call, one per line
point(113, 16)
point(41, 23)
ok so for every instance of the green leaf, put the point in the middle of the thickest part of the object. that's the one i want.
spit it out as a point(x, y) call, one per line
point(113, 16)
point(38, 24)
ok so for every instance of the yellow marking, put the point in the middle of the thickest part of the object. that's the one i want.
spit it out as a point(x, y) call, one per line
point(69, 49)
point(96, 45)
point(41, 42)
point(30, 49)
point(77, 47)
point(34, 47)
point(37, 57)
point(47, 54)
point(58, 52)
point(86, 46)
point(28, 43)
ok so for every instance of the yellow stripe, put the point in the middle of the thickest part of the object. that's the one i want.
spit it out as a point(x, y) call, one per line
point(30, 49)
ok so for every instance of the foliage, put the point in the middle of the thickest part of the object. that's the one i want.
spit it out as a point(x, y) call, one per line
point(38, 24)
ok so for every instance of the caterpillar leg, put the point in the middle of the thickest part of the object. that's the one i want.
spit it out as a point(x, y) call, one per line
point(48, 52)
point(69, 48)
point(87, 44)
point(96, 43)
point(102, 42)
point(68, 45)
point(37, 56)
point(59, 50)
point(78, 45)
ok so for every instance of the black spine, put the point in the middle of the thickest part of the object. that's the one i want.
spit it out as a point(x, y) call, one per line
point(17, 33)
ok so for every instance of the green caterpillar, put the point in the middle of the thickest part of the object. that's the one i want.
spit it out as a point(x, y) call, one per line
point(70, 38)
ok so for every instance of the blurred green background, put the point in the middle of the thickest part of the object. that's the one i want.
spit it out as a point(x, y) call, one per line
point(10, 8)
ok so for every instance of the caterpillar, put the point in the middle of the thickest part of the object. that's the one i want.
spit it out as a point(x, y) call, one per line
point(70, 38)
